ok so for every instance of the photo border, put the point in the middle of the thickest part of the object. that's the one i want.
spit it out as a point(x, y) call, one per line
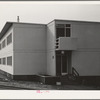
point(75, 93)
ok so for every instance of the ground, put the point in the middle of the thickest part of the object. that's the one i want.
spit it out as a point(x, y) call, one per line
point(30, 85)
point(39, 86)
point(2, 87)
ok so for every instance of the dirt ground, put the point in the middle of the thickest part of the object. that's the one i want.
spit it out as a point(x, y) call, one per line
point(39, 86)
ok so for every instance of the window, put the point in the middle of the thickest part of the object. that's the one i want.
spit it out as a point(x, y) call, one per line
point(0, 60)
point(3, 44)
point(9, 39)
point(67, 25)
point(60, 32)
point(63, 30)
point(4, 61)
point(67, 34)
point(9, 60)
point(67, 30)
point(60, 25)
point(0, 46)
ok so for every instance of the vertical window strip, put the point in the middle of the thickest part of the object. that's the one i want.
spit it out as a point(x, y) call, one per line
point(0, 60)
point(4, 61)
point(0, 46)
point(9, 39)
point(9, 60)
point(3, 44)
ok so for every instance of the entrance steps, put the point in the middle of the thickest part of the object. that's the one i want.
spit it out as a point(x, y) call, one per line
point(62, 79)
point(57, 80)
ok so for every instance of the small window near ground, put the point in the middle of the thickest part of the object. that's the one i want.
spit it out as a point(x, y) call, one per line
point(4, 61)
point(3, 44)
point(9, 39)
point(9, 60)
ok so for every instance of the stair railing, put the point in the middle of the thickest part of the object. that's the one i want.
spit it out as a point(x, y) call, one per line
point(74, 76)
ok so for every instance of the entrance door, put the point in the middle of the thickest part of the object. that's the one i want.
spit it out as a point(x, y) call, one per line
point(61, 64)
point(64, 64)
point(58, 64)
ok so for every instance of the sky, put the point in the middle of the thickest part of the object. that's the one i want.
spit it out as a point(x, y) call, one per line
point(44, 12)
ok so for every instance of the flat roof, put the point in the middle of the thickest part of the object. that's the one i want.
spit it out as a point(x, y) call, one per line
point(9, 24)
point(80, 21)
point(26, 23)
point(5, 29)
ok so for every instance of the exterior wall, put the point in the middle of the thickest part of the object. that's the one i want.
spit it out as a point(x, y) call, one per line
point(67, 43)
point(51, 68)
point(33, 48)
point(29, 49)
point(86, 59)
point(88, 54)
point(7, 51)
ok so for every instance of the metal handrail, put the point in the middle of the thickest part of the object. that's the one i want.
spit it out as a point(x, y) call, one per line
point(74, 76)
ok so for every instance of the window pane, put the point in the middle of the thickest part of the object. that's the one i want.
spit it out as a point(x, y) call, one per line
point(67, 32)
point(4, 61)
point(60, 32)
point(67, 25)
point(0, 46)
point(60, 25)
point(0, 61)
point(9, 39)
point(9, 60)
point(3, 44)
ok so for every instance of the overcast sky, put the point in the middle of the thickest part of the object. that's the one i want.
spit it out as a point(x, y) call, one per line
point(44, 12)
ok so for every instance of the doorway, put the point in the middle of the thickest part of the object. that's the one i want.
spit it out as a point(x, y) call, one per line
point(62, 62)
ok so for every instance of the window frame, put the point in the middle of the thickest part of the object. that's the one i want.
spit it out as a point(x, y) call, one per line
point(4, 61)
point(0, 46)
point(10, 62)
point(65, 27)
point(10, 41)
point(0, 61)
point(4, 43)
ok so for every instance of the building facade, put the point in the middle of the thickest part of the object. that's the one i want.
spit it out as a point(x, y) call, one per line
point(28, 50)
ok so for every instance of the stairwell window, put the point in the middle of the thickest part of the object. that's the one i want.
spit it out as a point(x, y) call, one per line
point(9, 60)
point(9, 39)
point(63, 30)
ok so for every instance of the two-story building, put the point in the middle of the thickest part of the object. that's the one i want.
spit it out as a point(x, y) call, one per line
point(53, 50)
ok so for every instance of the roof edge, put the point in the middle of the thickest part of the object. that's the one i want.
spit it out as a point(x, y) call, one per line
point(82, 21)
point(5, 29)
point(9, 24)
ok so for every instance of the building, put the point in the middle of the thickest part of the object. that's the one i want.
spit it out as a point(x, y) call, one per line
point(57, 49)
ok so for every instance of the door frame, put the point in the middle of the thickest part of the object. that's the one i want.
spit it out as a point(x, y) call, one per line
point(67, 54)
point(64, 73)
